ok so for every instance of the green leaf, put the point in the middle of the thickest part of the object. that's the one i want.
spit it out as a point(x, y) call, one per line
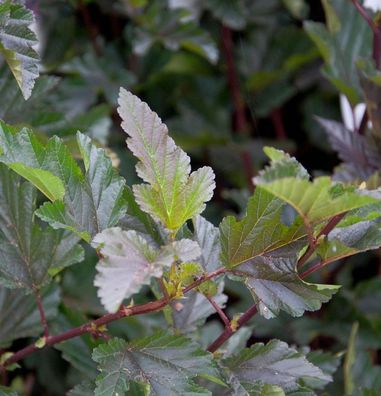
point(172, 194)
point(274, 363)
point(92, 201)
point(342, 47)
point(166, 363)
point(316, 201)
point(282, 165)
point(347, 241)
point(16, 44)
point(28, 252)
point(51, 186)
point(19, 316)
point(261, 231)
point(276, 285)
point(129, 261)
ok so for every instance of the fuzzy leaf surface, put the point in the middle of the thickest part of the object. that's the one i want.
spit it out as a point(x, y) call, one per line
point(16, 44)
point(274, 363)
point(129, 261)
point(171, 194)
point(27, 252)
point(166, 363)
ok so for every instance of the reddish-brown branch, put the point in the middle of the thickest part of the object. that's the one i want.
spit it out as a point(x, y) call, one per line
point(220, 312)
point(241, 124)
point(332, 223)
point(89, 327)
point(277, 120)
point(40, 307)
point(228, 332)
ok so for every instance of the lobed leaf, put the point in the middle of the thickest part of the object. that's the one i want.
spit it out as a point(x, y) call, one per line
point(166, 364)
point(276, 285)
point(129, 261)
point(275, 364)
point(260, 231)
point(27, 252)
point(282, 165)
point(316, 201)
point(172, 194)
point(16, 44)
point(85, 203)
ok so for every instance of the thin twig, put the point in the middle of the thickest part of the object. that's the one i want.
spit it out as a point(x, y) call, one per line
point(332, 223)
point(365, 15)
point(40, 306)
point(220, 312)
point(123, 312)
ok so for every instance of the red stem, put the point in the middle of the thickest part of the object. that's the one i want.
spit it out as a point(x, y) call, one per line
point(40, 306)
point(332, 223)
point(220, 312)
point(152, 306)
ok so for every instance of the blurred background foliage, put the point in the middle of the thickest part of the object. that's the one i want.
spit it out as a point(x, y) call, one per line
point(228, 77)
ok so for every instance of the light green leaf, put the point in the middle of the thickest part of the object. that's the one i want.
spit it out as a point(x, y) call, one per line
point(16, 44)
point(51, 186)
point(129, 261)
point(261, 231)
point(172, 194)
point(316, 201)
point(276, 285)
point(282, 165)
point(91, 202)
point(166, 363)
point(274, 363)
point(27, 252)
